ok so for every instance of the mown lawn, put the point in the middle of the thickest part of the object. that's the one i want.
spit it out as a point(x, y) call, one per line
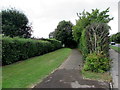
point(115, 48)
point(31, 71)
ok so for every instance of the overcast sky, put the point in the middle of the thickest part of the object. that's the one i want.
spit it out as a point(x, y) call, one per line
point(46, 14)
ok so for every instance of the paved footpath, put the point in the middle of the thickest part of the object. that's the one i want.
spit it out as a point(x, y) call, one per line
point(68, 76)
point(115, 69)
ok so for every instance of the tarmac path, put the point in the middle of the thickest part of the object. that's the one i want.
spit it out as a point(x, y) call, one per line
point(114, 67)
point(68, 75)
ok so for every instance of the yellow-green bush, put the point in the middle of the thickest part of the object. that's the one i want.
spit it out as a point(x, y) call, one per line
point(97, 63)
point(16, 49)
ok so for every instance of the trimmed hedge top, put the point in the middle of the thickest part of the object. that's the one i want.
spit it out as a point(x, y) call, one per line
point(17, 49)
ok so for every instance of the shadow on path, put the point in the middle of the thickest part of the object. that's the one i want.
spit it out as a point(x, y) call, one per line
point(68, 75)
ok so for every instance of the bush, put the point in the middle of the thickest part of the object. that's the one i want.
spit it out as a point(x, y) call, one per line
point(83, 44)
point(16, 49)
point(97, 63)
point(115, 38)
point(55, 43)
point(97, 38)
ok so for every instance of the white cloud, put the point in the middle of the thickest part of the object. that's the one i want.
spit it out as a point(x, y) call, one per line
point(45, 14)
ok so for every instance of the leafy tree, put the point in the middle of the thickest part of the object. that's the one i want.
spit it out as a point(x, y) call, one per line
point(86, 18)
point(115, 37)
point(97, 38)
point(15, 23)
point(63, 32)
point(91, 31)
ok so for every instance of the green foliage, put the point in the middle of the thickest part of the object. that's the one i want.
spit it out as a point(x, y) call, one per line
point(97, 38)
point(15, 23)
point(16, 49)
point(91, 33)
point(97, 63)
point(63, 33)
point(86, 18)
point(115, 38)
point(54, 43)
point(83, 44)
point(79, 27)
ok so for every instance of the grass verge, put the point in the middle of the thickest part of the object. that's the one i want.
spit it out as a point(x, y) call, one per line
point(27, 73)
point(97, 76)
point(115, 48)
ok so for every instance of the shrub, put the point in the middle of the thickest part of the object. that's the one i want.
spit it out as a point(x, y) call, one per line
point(16, 49)
point(97, 63)
point(115, 37)
point(97, 38)
point(83, 44)
point(55, 43)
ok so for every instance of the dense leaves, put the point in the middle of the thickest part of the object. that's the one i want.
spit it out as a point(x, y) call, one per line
point(83, 45)
point(86, 18)
point(16, 49)
point(115, 38)
point(15, 23)
point(63, 33)
point(91, 33)
point(97, 38)
point(97, 63)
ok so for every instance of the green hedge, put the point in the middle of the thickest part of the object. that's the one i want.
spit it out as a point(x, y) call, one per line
point(83, 44)
point(54, 42)
point(16, 49)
